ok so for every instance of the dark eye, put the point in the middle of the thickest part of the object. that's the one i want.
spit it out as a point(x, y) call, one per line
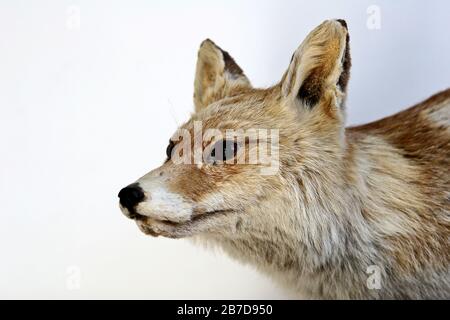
point(224, 150)
point(170, 149)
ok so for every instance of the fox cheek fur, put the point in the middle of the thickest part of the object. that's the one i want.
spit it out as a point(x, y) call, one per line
point(343, 201)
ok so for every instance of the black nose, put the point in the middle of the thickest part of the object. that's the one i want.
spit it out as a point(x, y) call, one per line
point(131, 196)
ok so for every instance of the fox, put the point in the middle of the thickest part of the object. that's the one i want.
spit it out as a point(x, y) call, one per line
point(360, 212)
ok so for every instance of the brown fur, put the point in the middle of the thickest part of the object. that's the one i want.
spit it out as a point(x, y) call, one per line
point(424, 147)
point(343, 199)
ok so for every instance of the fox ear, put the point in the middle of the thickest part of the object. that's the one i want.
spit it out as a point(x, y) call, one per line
point(217, 76)
point(319, 68)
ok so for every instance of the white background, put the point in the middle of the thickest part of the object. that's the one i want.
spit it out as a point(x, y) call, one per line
point(86, 109)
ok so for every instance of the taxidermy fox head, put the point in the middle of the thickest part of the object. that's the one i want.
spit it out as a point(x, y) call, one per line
point(274, 178)
point(248, 156)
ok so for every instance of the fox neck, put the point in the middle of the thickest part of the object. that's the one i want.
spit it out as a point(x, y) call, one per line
point(310, 231)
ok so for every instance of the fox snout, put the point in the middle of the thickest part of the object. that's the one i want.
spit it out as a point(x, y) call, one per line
point(130, 197)
point(150, 199)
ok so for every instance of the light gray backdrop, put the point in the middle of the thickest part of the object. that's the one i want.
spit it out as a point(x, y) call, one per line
point(90, 92)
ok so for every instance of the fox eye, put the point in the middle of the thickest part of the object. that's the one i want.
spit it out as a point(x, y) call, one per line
point(223, 150)
point(170, 149)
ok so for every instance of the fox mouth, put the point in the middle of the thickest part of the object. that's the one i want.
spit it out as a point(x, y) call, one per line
point(199, 223)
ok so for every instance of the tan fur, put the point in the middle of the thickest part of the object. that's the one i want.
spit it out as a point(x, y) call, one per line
point(217, 76)
point(344, 199)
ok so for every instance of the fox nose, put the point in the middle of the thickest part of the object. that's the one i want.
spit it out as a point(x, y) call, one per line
point(130, 196)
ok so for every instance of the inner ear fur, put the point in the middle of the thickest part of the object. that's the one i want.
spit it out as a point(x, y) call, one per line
point(217, 76)
point(321, 63)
